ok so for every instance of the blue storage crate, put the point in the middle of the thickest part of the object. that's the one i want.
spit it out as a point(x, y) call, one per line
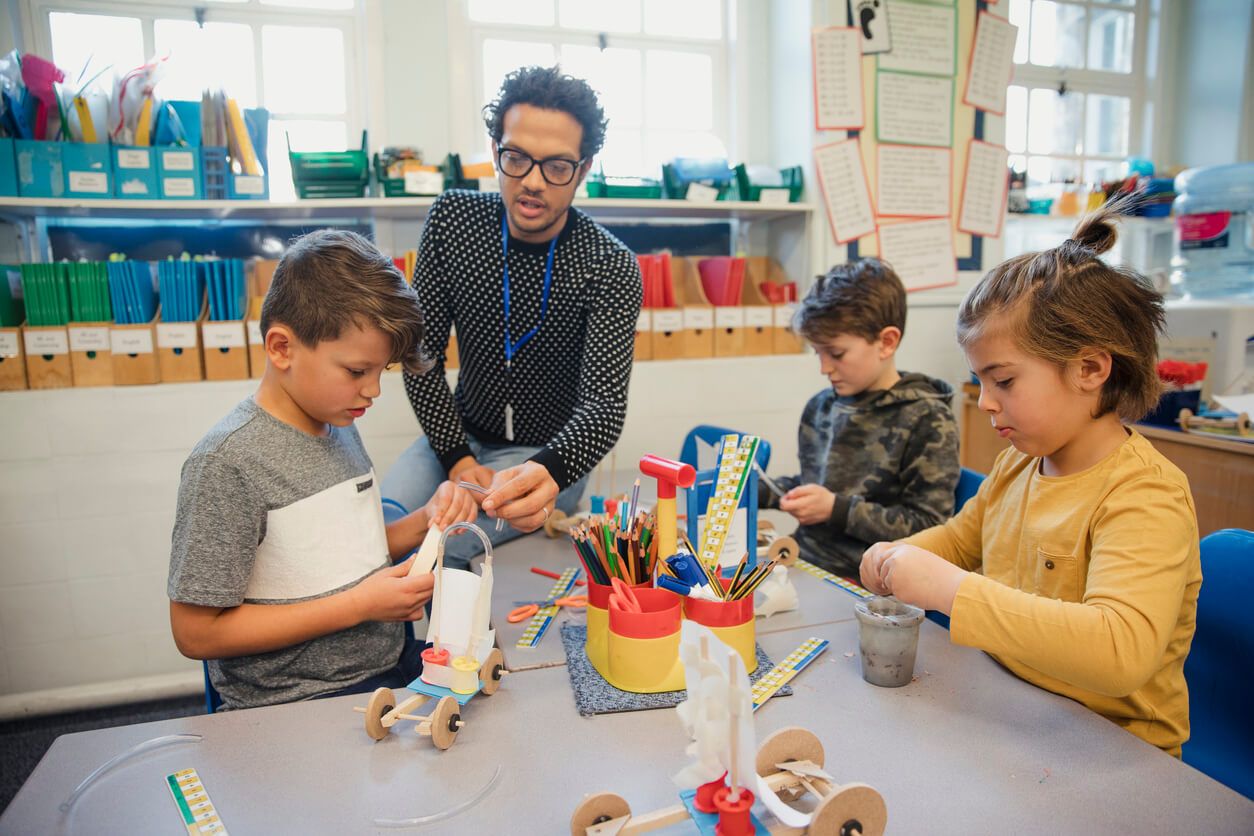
point(40, 171)
point(134, 172)
point(223, 184)
point(8, 169)
point(88, 169)
point(179, 173)
point(214, 171)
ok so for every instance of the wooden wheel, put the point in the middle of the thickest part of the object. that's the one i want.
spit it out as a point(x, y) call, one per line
point(381, 702)
point(1183, 419)
point(788, 744)
point(595, 809)
point(550, 525)
point(445, 722)
point(851, 809)
point(492, 671)
point(786, 549)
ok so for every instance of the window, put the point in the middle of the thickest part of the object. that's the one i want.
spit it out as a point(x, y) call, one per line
point(1079, 83)
point(293, 57)
point(660, 68)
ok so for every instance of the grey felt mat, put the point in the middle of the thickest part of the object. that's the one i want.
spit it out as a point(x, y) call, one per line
point(593, 695)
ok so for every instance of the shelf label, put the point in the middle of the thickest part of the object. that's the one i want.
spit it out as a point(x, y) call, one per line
point(176, 335)
point(134, 158)
point(47, 341)
point(701, 193)
point(489, 184)
point(783, 315)
point(697, 318)
point(90, 338)
point(178, 161)
point(424, 182)
point(254, 332)
point(644, 321)
point(249, 184)
point(90, 182)
point(758, 316)
point(8, 344)
point(729, 316)
point(668, 320)
point(223, 334)
point(131, 340)
point(178, 187)
point(774, 196)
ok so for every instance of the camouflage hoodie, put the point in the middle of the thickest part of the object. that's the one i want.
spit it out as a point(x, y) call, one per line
point(891, 458)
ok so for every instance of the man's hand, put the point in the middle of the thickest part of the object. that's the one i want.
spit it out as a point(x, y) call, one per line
point(468, 469)
point(450, 504)
point(522, 495)
point(916, 576)
point(811, 504)
point(388, 595)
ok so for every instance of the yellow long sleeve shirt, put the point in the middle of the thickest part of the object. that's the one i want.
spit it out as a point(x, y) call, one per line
point(1085, 585)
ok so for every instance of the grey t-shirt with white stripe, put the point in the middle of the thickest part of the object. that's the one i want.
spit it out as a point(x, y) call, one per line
point(268, 515)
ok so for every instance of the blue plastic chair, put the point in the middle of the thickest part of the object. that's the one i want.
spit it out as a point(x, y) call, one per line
point(1221, 742)
point(698, 494)
point(713, 436)
point(212, 698)
point(968, 483)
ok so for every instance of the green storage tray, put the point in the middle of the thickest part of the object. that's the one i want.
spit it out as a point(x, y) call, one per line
point(327, 174)
point(395, 186)
point(792, 179)
point(624, 187)
point(675, 188)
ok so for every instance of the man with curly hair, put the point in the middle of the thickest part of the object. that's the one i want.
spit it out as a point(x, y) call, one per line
point(544, 302)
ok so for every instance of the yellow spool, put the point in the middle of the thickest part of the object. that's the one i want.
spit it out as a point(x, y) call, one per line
point(465, 675)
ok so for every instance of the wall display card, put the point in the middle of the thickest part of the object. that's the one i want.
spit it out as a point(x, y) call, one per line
point(871, 18)
point(984, 189)
point(914, 109)
point(913, 181)
point(921, 252)
point(991, 63)
point(836, 53)
point(843, 182)
point(925, 39)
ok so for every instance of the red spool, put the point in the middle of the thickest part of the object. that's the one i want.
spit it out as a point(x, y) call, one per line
point(734, 818)
point(704, 799)
point(431, 656)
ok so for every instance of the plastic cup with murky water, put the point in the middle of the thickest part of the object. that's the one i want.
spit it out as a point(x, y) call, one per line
point(888, 637)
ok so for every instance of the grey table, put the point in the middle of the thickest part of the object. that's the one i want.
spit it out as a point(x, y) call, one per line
point(967, 748)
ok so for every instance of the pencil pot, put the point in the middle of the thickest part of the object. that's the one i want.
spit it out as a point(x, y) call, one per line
point(731, 621)
point(643, 647)
point(597, 645)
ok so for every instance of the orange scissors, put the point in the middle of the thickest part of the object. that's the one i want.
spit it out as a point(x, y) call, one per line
point(528, 610)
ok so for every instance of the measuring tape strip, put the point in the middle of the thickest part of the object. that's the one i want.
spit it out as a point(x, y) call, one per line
point(199, 815)
point(835, 580)
point(734, 464)
point(539, 623)
point(792, 665)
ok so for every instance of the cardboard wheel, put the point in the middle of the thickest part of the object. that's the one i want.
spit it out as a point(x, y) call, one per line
point(444, 722)
point(491, 672)
point(852, 809)
point(381, 702)
point(786, 549)
point(550, 524)
point(788, 744)
point(595, 809)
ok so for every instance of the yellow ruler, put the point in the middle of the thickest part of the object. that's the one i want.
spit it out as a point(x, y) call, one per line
point(792, 665)
point(199, 815)
point(835, 580)
point(539, 623)
point(734, 465)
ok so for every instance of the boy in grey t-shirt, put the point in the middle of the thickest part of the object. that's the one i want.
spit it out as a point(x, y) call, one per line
point(280, 568)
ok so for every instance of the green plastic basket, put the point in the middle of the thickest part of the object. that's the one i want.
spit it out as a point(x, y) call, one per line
point(325, 174)
point(792, 179)
point(600, 186)
point(395, 186)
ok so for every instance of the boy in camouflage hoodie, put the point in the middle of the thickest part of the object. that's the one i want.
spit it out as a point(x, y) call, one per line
point(878, 449)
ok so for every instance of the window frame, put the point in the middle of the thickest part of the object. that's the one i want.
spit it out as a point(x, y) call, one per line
point(468, 85)
point(1142, 91)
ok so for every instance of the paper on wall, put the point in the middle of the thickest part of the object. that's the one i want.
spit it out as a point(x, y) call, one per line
point(845, 192)
point(921, 253)
point(914, 181)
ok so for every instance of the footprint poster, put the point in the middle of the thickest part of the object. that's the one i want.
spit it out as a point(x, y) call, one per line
point(871, 19)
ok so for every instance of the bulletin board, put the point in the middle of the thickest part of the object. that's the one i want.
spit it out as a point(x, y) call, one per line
point(930, 58)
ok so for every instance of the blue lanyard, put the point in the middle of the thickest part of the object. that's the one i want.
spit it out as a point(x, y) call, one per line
point(511, 347)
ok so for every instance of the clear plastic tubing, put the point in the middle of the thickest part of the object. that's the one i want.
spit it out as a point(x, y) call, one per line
point(421, 821)
point(134, 751)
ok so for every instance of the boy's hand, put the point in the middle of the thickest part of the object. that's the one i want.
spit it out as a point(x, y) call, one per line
point(468, 469)
point(871, 568)
point(524, 495)
point(916, 576)
point(388, 595)
point(450, 504)
point(811, 504)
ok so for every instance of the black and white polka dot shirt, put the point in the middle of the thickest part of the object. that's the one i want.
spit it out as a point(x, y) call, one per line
point(567, 385)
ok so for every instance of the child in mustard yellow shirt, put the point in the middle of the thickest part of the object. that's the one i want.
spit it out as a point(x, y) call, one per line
point(1076, 565)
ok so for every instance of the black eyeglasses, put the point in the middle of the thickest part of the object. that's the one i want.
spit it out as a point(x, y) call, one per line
point(556, 171)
